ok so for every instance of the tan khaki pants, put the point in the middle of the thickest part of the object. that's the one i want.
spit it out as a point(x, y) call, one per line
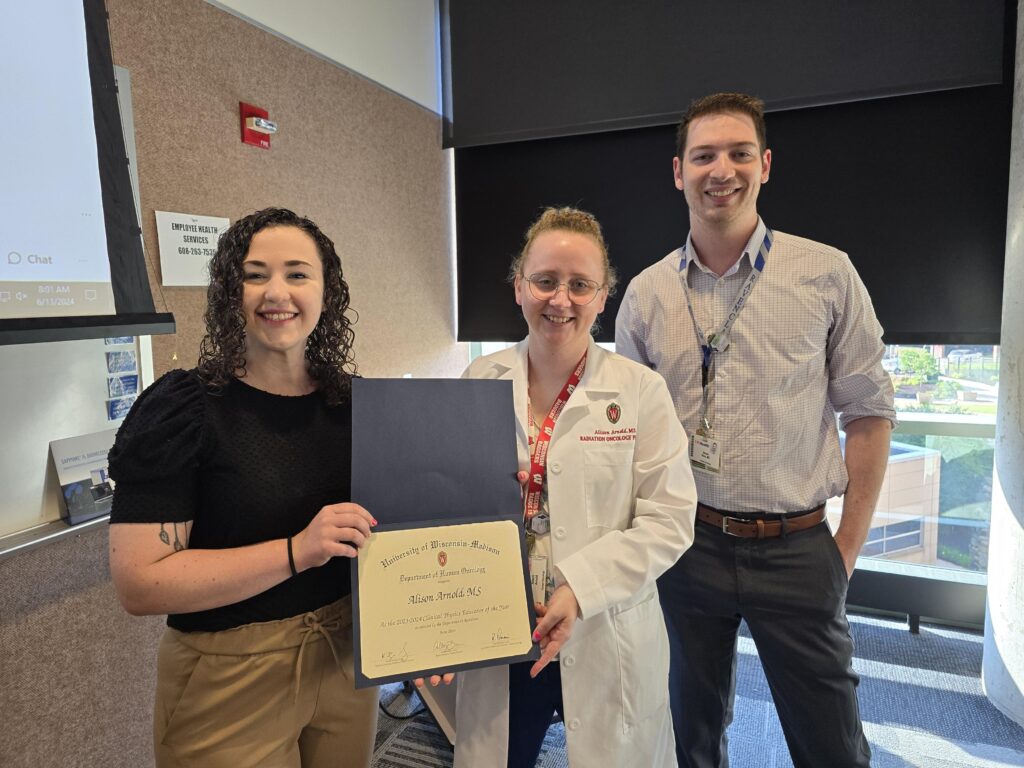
point(278, 693)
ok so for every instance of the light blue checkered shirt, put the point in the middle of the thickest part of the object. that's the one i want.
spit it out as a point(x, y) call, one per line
point(806, 346)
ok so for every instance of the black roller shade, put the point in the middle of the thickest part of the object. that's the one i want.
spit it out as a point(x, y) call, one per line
point(541, 68)
point(914, 188)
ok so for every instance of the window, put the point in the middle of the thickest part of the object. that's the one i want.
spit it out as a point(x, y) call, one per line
point(936, 499)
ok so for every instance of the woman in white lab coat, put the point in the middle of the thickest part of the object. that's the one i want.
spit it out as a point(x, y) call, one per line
point(608, 510)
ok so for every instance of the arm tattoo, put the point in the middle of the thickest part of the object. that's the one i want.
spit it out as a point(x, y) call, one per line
point(184, 529)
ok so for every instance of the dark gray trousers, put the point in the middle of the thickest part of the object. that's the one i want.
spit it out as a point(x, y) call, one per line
point(532, 703)
point(792, 593)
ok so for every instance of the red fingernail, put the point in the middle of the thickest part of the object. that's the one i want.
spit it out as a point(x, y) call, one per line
point(373, 523)
point(536, 636)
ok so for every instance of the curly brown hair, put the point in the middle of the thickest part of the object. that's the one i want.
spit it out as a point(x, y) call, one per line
point(329, 346)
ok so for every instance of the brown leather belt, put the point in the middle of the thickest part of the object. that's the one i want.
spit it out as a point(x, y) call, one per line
point(758, 528)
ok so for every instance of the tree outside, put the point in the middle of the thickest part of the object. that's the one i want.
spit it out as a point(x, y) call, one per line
point(919, 363)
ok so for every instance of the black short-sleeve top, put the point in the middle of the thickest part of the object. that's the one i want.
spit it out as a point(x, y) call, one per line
point(245, 466)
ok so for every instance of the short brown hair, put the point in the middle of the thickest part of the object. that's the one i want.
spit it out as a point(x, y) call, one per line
point(566, 220)
point(717, 103)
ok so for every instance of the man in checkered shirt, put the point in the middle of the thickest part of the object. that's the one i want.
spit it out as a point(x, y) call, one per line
point(764, 338)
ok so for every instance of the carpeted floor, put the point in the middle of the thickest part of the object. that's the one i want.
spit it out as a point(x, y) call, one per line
point(920, 697)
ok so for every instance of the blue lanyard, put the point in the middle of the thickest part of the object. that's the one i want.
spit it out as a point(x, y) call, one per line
point(717, 342)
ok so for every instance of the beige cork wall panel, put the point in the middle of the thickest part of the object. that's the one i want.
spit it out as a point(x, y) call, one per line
point(362, 162)
point(78, 672)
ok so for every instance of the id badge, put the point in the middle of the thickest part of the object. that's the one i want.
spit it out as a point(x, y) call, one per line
point(539, 578)
point(705, 453)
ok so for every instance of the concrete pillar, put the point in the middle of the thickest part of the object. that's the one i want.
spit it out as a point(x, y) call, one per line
point(1003, 660)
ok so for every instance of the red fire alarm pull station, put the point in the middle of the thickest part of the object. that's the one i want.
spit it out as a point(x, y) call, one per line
point(256, 125)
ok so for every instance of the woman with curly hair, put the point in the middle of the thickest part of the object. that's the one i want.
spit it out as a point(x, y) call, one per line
point(231, 515)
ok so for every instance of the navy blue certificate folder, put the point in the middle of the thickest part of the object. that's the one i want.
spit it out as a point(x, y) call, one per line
point(431, 452)
point(429, 449)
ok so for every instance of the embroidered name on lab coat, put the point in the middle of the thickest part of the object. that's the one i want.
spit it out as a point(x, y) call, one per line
point(626, 434)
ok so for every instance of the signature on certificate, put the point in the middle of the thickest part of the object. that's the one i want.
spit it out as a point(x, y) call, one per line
point(442, 647)
point(393, 657)
point(498, 635)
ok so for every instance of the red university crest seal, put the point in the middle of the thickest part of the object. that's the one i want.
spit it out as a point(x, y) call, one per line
point(613, 412)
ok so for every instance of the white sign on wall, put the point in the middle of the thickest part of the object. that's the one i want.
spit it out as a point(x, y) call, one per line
point(187, 243)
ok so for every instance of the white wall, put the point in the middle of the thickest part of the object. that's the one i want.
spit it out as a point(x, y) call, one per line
point(1003, 661)
point(392, 42)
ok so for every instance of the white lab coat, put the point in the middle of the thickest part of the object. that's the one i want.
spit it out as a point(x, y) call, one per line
point(622, 512)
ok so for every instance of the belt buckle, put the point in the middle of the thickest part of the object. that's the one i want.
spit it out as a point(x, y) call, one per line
point(725, 525)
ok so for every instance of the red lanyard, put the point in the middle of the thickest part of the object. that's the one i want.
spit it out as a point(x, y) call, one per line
point(539, 451)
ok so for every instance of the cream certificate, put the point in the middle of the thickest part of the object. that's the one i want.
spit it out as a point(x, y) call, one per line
point(441, 598)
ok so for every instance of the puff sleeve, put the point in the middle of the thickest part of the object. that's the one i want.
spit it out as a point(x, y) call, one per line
point(156, 454)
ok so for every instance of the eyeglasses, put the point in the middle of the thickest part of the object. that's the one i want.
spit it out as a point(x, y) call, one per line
point(580, 291)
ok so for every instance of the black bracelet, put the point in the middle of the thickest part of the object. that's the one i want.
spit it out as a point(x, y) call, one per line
point(291, 558)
